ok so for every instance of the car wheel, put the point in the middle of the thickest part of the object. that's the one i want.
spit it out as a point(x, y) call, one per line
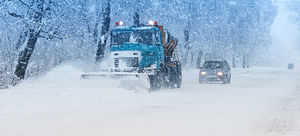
point(201, 82)
point(224, 81)
point(228, 81)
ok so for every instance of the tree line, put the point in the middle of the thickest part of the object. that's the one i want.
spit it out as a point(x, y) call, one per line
point(37, 35)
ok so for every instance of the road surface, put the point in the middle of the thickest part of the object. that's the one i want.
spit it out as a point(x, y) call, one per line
point(258, 102)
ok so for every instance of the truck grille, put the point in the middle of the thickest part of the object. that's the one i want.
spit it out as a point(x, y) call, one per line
point(129, 62)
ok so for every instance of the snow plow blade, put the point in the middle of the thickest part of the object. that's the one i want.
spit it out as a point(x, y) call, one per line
point(116, 75)
point(130, 81)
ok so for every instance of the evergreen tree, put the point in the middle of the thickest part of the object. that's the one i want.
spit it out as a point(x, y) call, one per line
point(104, 31)
point(136, 18)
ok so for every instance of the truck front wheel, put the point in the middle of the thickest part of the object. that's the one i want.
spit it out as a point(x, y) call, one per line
point(157, 80)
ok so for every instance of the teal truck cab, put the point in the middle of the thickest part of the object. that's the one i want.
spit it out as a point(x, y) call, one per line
point(136, 49)
point(146, 49)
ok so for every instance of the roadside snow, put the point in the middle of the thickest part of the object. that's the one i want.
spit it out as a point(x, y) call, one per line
point(60, 104)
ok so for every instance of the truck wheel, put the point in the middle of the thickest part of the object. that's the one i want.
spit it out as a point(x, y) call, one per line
point(157, 80)
point(175, 83)
point(178, 75)
point(168, 78)
point(154, 82)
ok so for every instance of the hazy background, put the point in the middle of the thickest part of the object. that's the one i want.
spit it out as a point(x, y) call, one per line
point(246, 33)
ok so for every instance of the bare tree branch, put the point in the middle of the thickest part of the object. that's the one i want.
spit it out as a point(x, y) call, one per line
point(15, 15)
point(27, 5)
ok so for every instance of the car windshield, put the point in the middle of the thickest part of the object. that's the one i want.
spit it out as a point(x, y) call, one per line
point(139, 36)
point(213, 65)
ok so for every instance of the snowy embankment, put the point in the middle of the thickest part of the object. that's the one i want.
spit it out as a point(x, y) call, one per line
point(60, 103)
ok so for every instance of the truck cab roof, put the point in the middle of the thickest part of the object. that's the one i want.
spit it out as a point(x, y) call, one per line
point(134, 28)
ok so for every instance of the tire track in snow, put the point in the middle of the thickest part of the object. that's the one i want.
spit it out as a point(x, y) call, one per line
point(287, 119)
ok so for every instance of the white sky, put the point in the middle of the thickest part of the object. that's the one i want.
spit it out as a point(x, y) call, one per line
point(285, 48)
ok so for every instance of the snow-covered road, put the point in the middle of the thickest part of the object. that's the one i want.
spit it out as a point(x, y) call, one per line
point(259, 102)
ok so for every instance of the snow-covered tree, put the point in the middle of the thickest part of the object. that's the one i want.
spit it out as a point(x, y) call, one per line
point(106, 20)
point(37, 35)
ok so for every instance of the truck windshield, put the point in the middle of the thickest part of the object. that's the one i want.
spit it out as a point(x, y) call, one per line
point(139, 36)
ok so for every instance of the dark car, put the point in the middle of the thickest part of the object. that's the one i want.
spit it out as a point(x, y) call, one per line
point(215, 71)
point(290, 66)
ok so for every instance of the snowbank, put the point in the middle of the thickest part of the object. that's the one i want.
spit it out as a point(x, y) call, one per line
point(60, 103)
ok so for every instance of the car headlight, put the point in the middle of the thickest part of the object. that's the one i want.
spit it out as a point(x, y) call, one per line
point(203, 73)
point(220, 74)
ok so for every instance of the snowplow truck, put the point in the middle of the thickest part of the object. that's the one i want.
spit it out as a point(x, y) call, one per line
point(145, 50)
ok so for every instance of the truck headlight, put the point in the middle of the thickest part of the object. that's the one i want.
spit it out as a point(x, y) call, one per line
point(121, 23)
point(220, 74)
point(151, 22)
point(153, 66)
